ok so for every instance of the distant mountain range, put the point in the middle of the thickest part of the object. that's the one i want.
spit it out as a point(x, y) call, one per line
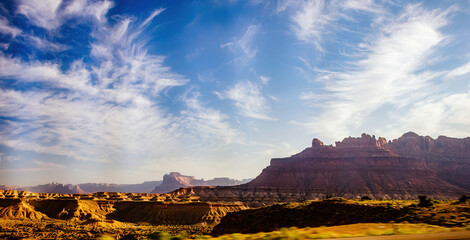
point(170, 182)
point(54, 187)
point(175, 180)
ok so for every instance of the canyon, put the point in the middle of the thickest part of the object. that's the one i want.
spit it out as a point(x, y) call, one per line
point(112, 208)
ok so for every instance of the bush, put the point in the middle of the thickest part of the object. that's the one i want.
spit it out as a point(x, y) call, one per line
point(424, 201)
point(464, 198)
point(129, 236)
point(365, 198)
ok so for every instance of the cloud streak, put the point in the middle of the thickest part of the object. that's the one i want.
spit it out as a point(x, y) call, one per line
point(315, 19)
point(7, 29)
point(391, 71)
point(243, 46)
point(248, 99)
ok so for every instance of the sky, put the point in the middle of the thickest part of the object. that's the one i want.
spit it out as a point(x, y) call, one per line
point(127, 91)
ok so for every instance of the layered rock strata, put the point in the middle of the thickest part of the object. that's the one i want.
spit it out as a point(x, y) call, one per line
point(113, 208)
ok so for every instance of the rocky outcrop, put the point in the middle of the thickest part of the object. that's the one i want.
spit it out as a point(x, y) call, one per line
point(18, 209)
point(160, 213)
point(175, 180)
point(404, 168)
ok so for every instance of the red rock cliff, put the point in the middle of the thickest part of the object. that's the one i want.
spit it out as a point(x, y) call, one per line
point(404, 168)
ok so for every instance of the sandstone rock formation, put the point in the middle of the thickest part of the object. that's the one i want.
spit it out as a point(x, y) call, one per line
point(175, 180)
point(113, 208)
point(404, 168)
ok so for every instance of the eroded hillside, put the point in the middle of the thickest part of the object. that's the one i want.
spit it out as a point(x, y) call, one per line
point(113, 208)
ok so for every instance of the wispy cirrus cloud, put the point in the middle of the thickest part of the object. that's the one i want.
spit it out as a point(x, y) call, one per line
point(310, 22)
point(243, 46)
point(210, 124)
point(106, 110)
point(248, 100)
point(50, 14)
point(41, 13)
point(7, 29)
point(460, 71)
point(45, 44)
point(314, 19)
point(440, 114)
point(382, 76)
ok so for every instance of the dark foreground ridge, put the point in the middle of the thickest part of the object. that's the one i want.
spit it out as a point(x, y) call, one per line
point(404, 168)
point(333, 212)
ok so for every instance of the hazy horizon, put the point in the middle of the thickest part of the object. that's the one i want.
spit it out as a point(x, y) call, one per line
point(127, 91)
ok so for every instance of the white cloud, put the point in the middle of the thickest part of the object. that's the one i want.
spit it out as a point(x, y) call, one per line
point(42, 13)
point(243, 46)
point(50, 73)
point(151, 17)
point(47, 165)
point(310, 22)
point(248, 100)
point(283, 5)
point(109, 110)
point(390, 72)
point(245, 42)
point(439, 115)
point(314, 19)
point(224, 45)
point(210, 124)
point(45, 45)
point(6, 29)
point(7, 158)
point(460, 71)
point(98, 9)
point(361, 5)
point(264, 79)
point(274, 98)
point(194, 54)
point(4, 46)
point(51, 14)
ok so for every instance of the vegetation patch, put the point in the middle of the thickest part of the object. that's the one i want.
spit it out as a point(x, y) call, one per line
point(344, 231)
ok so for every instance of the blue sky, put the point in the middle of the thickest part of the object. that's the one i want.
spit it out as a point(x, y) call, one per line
point(126, 91)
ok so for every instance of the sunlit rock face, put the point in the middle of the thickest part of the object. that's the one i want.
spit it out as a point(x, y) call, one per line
point(403, 168)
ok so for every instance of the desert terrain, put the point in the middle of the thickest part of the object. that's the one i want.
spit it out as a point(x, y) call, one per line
point(360, 187)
